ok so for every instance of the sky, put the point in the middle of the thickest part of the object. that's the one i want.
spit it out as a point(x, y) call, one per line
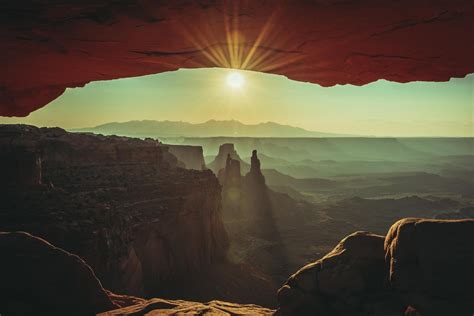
point(381, 108)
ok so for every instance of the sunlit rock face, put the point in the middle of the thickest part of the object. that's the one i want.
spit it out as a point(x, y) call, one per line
point(122, 204)
point(47, 47)
point(158, 306)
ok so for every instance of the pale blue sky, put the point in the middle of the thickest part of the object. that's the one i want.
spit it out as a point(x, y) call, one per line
point(381, 108)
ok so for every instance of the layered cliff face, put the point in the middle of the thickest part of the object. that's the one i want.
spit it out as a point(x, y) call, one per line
point(122, 204)
point(191, 156)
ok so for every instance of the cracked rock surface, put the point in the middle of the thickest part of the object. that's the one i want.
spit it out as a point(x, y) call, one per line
point(46, 47)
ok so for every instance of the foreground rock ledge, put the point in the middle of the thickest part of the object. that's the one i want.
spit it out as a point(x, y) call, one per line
point(421, 265)
point(350, 280)
point(158, 306)
point(431, 265)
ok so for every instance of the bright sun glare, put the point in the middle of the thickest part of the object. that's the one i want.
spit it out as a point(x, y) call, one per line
point(235, 80)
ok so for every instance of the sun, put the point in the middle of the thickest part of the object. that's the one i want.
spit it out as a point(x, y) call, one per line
point(235, 80)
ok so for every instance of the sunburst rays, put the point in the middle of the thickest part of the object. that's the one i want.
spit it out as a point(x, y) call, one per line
point(226, 39)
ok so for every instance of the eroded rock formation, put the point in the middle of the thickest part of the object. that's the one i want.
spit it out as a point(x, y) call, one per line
point(225, 151)
point(250, 220)
point(122, 204)
point(325, 41)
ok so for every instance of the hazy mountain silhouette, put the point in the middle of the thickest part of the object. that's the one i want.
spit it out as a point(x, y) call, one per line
point(211, 128)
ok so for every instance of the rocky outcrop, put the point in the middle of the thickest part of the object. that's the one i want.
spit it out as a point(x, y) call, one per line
point(231, 180)
point(327, 42)
point(350, 280)
point(248, 194)
point(39, 278)
point(250, 221)
point(191, 156)
point(257, 200)
point(122, 204)
point(430, 265)
point(220, 162)
point(163, 307)
point(422, 267)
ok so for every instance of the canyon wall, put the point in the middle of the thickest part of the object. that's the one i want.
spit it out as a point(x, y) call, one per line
point(191, 156)
point(122, 204)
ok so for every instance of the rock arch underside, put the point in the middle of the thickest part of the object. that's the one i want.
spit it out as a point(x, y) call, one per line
point(48, 46)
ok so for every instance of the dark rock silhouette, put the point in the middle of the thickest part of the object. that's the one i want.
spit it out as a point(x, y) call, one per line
point(248, 213)
point(38, 278)
point(226, 150)
point(255, 163)
point(430, 265)
point(231, 173)
point(350, 280)
point(422, 267)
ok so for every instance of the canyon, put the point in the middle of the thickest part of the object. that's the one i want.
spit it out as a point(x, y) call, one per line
point(121, 204)
point(146, 227)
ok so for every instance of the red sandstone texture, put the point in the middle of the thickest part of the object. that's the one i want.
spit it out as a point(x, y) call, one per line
point(48, 46)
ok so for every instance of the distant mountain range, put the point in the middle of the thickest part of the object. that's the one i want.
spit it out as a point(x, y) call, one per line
point(212, 128)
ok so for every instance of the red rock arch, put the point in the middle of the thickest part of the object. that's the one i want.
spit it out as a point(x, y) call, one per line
point(47, 47)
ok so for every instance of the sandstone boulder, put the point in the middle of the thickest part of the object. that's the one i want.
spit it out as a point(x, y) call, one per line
point(350, 280)
point(431, 265)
